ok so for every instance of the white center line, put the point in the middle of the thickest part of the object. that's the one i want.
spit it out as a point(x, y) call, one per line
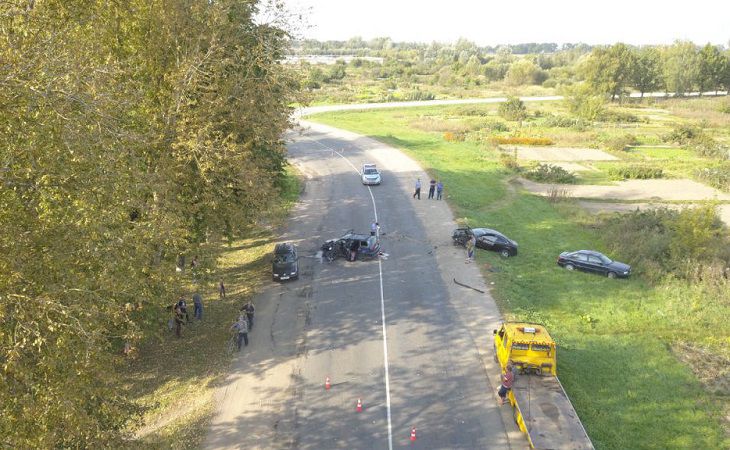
point(382, 302)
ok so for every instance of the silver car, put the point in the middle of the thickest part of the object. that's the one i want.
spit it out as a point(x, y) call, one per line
point(370, 174)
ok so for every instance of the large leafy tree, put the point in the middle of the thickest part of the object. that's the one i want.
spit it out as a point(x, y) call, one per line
point(647, 70)
point(609, 70)
point(131, 132)
point(680, 67)
point(710, 67)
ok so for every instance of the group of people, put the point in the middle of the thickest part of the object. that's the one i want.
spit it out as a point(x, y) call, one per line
point(434, 187)
point(180, 312)
point(244, 324)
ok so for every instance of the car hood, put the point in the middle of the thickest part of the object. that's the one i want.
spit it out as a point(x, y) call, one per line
point(284, 267)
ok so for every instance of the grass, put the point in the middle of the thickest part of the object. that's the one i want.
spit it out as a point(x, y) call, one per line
point(174, 380)
point(617, 338)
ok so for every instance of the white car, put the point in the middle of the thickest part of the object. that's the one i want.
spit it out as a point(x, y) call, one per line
point(370, 174)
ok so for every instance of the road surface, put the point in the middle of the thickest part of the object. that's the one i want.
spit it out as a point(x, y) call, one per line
point(397, 333)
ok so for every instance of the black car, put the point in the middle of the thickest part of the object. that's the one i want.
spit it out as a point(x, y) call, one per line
point(487, 239)
point(286, 262)
point(591, 261)
point(365, 246)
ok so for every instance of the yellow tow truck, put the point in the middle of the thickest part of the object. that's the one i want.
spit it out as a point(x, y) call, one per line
point(540, 405)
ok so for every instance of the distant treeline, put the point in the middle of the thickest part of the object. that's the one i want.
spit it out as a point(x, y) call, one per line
point(613, 70)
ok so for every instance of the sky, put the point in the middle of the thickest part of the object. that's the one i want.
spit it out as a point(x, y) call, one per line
point(489, 22)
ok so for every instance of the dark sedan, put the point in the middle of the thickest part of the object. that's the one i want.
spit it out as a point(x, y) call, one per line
point(487, 239)
point(590, 261)
point(286, 262)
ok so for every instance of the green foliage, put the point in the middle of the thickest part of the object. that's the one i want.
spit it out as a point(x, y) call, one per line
point(635, 172)
point(564, 121)
point(684, 134)
point(614, 116)
point(661, 241)
point(583, 103)
point(718, 177)
point(621, 142)
point(513, 109)
point(521, 72)
point(680, 67)
point(609, 70)
point(122, 148)
point(708, 147)
point(646, 75)
point(548, 173)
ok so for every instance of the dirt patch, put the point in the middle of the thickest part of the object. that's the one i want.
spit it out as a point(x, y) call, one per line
point(672, 190)
point(559, 153)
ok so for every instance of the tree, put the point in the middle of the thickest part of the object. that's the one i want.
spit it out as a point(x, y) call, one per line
point(513, 109)
point(680, 67)
point(581, 100)
point(609, 70)
point(132, 132)
point(522, 72)
point(647, 70)
point(710, 68)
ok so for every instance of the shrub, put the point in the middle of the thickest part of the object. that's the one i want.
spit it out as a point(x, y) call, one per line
point(707, 147)
point(547, 173)
point(620, 117)
point(581, 101)
point(510, 162)
point(418, 94)
point(454, 137)
point(635, 173)
point(718, 177)
point(620, 143)
point(560, 121)
point(513, 109)
point(684, 134)
point(521, 140)
point(472, 111)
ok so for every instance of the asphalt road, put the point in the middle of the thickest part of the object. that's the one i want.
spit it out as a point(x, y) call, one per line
point(339, 320)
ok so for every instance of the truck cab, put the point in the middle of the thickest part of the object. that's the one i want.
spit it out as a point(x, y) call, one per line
point(527, 345)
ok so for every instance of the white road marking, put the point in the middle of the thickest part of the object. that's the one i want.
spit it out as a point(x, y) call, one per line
point(382, 302)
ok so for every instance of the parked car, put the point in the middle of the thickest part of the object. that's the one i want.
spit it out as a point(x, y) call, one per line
point(286, 262)
point(592, 261)
point(365, 246)
point(370, 174)
point(487, 239)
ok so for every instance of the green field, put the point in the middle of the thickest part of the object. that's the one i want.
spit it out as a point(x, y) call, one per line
point(627, 347)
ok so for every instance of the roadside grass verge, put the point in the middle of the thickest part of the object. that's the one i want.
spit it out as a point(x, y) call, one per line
point(616, 337)
point(174, 379)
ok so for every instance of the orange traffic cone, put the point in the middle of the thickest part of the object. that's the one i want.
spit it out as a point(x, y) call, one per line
point(359, 405)
point(413, 434)
point(327, 384)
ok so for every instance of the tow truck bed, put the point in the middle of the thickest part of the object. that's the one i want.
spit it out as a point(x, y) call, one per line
point(549, 417)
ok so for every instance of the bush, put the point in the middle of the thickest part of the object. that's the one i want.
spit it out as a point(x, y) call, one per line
point(635, 173)
point(547, 173)
point(581, 101)
point(718, 177)
point(620, 143)
point(418, 94)
point(454, 137)
point(513, 109)
point(620, 117)
point(522, 140)
point(560, 121)
point(684, 134)
point(472, 111)
point(510, 162)
point(707, 147)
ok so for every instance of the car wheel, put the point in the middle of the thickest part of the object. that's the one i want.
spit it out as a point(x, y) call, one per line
point(611, 275)
point(569, 267)
point(505, 253)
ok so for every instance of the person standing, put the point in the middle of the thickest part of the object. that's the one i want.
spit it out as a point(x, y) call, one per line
point(431, 188)
point(178, 320)
point(183, 305)
point(249, 309)
point(417, 193)
point(508, 379)
point(198, 306)
point(439, 190)
point(470, 246)
point(222, 290)
point(241, 326)
point(374, 228)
